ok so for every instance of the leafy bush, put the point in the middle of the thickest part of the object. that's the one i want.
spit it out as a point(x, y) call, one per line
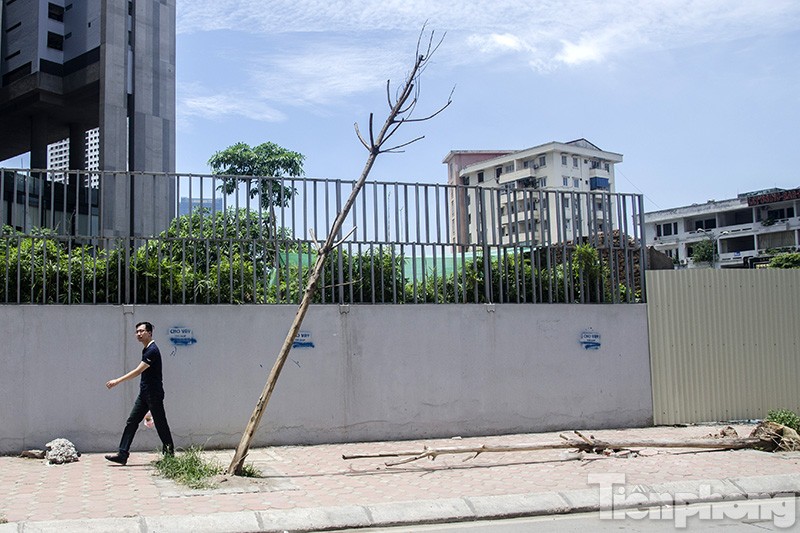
point(785, 417)
point(703, 251)
point(785, 260)
point(235, 257)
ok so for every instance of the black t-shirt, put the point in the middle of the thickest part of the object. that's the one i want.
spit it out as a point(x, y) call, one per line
point(151, 378)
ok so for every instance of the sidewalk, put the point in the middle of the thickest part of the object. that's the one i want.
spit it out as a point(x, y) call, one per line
point(309, 488)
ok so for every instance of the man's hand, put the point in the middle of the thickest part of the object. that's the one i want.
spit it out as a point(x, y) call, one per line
point(111, 383)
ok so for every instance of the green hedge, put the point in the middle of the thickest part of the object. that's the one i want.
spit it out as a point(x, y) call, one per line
point(233, 258)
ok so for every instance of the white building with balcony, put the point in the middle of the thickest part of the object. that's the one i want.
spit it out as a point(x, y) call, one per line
point(743, 231)
point(528, 196)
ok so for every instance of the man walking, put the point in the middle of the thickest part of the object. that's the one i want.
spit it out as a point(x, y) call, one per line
point(151, 397)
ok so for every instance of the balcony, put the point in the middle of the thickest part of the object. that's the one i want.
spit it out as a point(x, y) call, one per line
point(598, 183)
point(598, 172)
point(520, 174)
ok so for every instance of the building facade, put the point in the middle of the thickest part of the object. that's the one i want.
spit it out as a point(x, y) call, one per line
point(743, 231)
point(532, 195)
point(58, 159)
point(67, 67)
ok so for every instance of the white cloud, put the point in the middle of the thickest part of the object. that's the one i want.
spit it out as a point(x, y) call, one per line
point(549, 30)
point(320, 74)
point(195, 102)
point(497, 43)
point(330, 49)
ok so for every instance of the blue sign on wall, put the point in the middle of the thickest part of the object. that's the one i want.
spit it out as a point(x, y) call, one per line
point(303, 340)
point(590, 339)
point(180, 336)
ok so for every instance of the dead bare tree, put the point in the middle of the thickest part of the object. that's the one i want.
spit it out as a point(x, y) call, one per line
point(401, 111)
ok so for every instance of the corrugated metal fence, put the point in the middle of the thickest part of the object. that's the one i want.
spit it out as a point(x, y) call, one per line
point(724, 344)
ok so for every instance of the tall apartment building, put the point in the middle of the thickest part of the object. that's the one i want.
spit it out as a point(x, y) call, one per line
point(68, 66)
point(58, 159)
point(743, 231)
point(528, 196)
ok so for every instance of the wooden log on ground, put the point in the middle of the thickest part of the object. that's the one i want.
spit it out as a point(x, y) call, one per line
point(582, 444)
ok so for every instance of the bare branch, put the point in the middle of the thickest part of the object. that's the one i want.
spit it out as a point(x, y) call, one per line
point(371, 135)
point(360, 138)
point(345, 237)
point(394, 148)
point(429, 116)
point(317, 247)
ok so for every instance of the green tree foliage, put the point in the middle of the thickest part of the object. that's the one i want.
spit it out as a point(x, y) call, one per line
point(703, 251)
point(235, 257)
point(43, 267)
point(528, 277)
point(205, 257)
point(267, 163)
point(376, 275)
point(785, 260)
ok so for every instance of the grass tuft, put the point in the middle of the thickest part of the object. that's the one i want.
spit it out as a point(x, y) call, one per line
point(250, 471)
point(188, 468)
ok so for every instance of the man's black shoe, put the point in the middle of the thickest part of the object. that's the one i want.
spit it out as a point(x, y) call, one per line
point(117, 458)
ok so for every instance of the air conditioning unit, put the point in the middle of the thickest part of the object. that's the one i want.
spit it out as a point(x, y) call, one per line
point(535, 166)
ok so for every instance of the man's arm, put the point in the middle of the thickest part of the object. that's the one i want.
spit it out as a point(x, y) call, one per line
point(130, 375)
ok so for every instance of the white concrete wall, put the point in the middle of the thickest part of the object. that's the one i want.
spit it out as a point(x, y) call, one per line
point(374, 372)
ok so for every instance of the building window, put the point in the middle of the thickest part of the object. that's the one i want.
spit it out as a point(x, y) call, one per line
point(543, 182)
point(480, 177)
point(55, 12)
point(14, 27)
point(13, 54)
point(498, 172)
point(9, 2)
point(542, 161)
point(564, 159)
point(565, 181)
point(709, 223)
point(566, 203)
point(778, 214)
point(665, 230)
point(606, 166)
point(55, 41)
point(509, 168)
point(575, 162)
point(576, 183)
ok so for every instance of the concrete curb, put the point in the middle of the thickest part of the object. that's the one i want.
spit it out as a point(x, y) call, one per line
point(432, 511)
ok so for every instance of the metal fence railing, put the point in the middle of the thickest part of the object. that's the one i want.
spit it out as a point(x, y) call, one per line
point(104, 237)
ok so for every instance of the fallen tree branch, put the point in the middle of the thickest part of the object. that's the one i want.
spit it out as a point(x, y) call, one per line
point(582, 444)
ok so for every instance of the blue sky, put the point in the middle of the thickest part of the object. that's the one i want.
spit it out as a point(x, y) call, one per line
point(700, 96)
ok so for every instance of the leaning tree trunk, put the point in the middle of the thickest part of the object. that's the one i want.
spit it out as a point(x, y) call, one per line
point(401, 110)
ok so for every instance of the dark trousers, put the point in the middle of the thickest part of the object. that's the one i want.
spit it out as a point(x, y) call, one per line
point(153, 402)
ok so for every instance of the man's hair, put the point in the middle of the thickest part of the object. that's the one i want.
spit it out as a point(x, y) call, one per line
point(147, 326)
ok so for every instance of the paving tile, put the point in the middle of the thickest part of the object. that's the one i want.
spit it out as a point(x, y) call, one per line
point(309, 477)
